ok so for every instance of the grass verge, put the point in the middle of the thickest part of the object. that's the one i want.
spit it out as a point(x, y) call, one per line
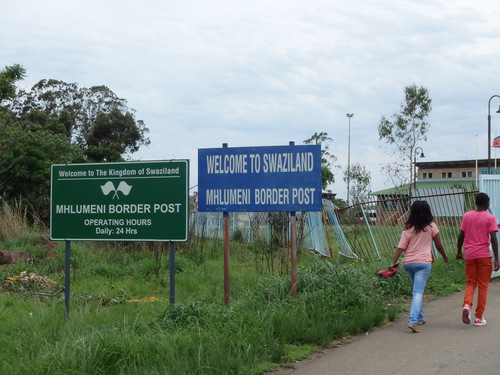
point(121, 321)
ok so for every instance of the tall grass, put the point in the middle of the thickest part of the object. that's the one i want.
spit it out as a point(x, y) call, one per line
point(114, 329)
point(13, 219)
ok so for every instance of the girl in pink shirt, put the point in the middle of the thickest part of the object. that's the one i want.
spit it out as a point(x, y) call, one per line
point(419, 233)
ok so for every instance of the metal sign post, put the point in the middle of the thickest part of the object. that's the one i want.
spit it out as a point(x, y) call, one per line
point(293, 253)
point(260, 179)
point(226, 258)
point(67, 267)
point(128, 201)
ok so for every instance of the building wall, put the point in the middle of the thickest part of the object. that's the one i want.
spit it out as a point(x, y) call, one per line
point(424, 174)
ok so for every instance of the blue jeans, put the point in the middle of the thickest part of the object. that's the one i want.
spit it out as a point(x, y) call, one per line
point(418, 274)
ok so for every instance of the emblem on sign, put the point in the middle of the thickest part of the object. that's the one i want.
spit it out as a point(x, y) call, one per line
point(108, 187)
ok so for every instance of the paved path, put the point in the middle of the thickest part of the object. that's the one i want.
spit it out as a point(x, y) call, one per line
point(444, 345)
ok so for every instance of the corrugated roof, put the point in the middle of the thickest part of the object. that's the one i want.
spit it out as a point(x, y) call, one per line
point(444, 183)
point(454, 163)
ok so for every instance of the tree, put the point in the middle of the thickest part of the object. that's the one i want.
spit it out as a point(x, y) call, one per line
point(55, 123)
point(94, 117)
point(327, 159)
point(404, 130)
point(360, 179)
point(113, 134)
point(29, 144)
point(8, 78)
point(25, 168)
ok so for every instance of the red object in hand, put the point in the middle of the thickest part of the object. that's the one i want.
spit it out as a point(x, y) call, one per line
point(390, 272)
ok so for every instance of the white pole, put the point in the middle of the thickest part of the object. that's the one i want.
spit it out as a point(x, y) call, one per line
point(349, 115)
point(477, 176)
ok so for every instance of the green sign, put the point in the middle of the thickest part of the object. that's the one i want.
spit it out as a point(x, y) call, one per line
point(129, 201)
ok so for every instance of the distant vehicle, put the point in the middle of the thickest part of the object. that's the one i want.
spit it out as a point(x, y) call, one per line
point(371, 216)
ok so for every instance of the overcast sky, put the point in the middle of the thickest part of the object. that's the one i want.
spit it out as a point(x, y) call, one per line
point(201, 73)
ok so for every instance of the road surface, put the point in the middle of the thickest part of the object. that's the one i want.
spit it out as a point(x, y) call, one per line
point(444, 345)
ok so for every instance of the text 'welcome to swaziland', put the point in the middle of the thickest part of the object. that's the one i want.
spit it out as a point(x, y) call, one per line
point(256, 164)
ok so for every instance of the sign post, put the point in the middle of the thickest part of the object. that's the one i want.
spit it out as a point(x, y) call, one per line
point(260, 179)
point(293, 249)
point(128, 201)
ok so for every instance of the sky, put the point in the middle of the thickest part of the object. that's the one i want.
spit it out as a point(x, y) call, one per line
point(267, 72)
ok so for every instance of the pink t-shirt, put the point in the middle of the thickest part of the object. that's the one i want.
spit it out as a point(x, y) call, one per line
point(418, 246)
point(477, 226)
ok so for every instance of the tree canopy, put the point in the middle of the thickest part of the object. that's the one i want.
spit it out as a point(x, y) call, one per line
point(57, 122)
point(26, 166)
point(8, 78)
point(8, 134)
point(404, 130)
point(94, 116)
point(327, 159)
point(359, 187)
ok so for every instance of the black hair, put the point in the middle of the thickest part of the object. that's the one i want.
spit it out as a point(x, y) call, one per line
point(420, 216)
point(482, 199)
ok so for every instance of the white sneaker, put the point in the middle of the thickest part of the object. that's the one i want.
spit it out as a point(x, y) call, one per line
point(480, 322)
point(466, 314)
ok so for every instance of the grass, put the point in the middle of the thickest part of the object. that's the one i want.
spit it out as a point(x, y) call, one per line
point(121, 321)
point(14, 220)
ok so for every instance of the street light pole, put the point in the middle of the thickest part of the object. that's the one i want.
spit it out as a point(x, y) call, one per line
point(349, 116)
point(415, 166)
point(489, 131)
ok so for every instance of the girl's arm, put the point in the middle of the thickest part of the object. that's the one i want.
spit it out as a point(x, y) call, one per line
point(399, 251)
point(439, 247)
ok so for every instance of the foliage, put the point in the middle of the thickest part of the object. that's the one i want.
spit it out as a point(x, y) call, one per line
point(327, 159)
point(116, 132)
point(404, 130)
point(58, 122)
point(339, 203)
point(121, 321)
point(37, 142)
point(8, 78)
point(359, 183)
point(238, 236)
point(279, 242)
point(96, 116)
point(327, 177)
point(13, 219)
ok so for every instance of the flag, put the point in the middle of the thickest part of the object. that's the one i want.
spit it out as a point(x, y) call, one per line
point(124, 188)
point(496, 142)
point(107, 188)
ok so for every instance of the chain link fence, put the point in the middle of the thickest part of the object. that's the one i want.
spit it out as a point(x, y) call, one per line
point(373, 228)
point(365, 231)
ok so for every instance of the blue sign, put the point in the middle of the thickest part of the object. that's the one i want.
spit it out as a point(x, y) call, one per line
point(260, 179)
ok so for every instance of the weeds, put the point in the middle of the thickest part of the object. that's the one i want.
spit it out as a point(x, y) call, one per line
point(13, 219)
point(122, 323)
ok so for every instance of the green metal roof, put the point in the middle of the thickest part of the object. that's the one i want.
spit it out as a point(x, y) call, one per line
point(466, 183)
